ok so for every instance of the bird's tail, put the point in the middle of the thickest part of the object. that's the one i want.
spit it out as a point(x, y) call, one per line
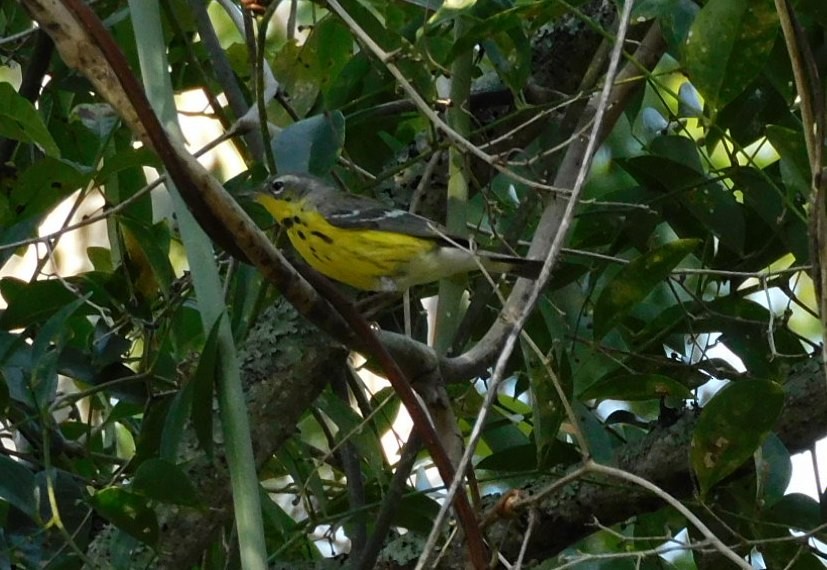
point(513, 265)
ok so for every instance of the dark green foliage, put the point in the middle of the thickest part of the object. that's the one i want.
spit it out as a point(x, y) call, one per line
point(690, 239)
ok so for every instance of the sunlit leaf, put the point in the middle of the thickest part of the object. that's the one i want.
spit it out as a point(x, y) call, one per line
point(728, 45)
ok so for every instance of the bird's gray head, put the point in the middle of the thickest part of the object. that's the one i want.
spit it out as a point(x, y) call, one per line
point(293, 187)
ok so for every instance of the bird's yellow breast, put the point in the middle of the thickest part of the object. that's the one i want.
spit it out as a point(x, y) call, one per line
point(366, 259)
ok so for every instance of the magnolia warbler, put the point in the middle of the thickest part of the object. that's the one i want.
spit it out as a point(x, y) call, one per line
point(367, 245)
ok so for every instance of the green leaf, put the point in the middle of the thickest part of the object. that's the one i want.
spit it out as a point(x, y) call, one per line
point(490, 18)
point(797, 511)
point(776, 208)
point(390, 403)
point(548, 411)
point(517, 458)
point(293, 457)
point(126, 159)
point(4, 394)
point(716, 208)
point(17, 486)
point(773, 470)
point(353, 427)
point(815, 9)
point(35, 193)
point(47, 347)
point(599, 438)
point(501, 431)
point(510, 53)
point(129, 512)
point(69, 501)
point(202, 384)
point(732, 426)
point(19, 120)
point(100, 258)
point(283, 532)
point(633, 387)
point(416, 512)
point(679, 150)
point(311, 145)
point(790, 145)
point(304, 70)
point(635, 281)
point(348, 85)
point(675, 18)
point(164, 481)
point(174, 423)
point(148, 246)
point(44, 185)
point(498, 28)
point(709, 201)
point(727, 47)
point(31, 303)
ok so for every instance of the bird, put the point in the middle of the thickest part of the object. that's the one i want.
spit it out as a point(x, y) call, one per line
point(363, 243)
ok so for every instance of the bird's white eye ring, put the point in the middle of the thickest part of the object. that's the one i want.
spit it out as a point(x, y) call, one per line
point(276, 186)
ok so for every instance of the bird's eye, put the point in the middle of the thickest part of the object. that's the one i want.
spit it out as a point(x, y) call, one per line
point(276, 186)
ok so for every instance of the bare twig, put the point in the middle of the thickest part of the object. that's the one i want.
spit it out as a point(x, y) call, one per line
point(532, 522)
point(675, 504)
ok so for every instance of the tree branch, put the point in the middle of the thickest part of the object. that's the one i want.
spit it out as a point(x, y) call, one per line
point(566, 515)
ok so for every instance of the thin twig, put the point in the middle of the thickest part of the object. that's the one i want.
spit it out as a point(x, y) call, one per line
point(716, 542)
point(532, 522)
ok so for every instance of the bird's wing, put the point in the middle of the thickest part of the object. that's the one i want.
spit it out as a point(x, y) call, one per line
point(356, 212)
